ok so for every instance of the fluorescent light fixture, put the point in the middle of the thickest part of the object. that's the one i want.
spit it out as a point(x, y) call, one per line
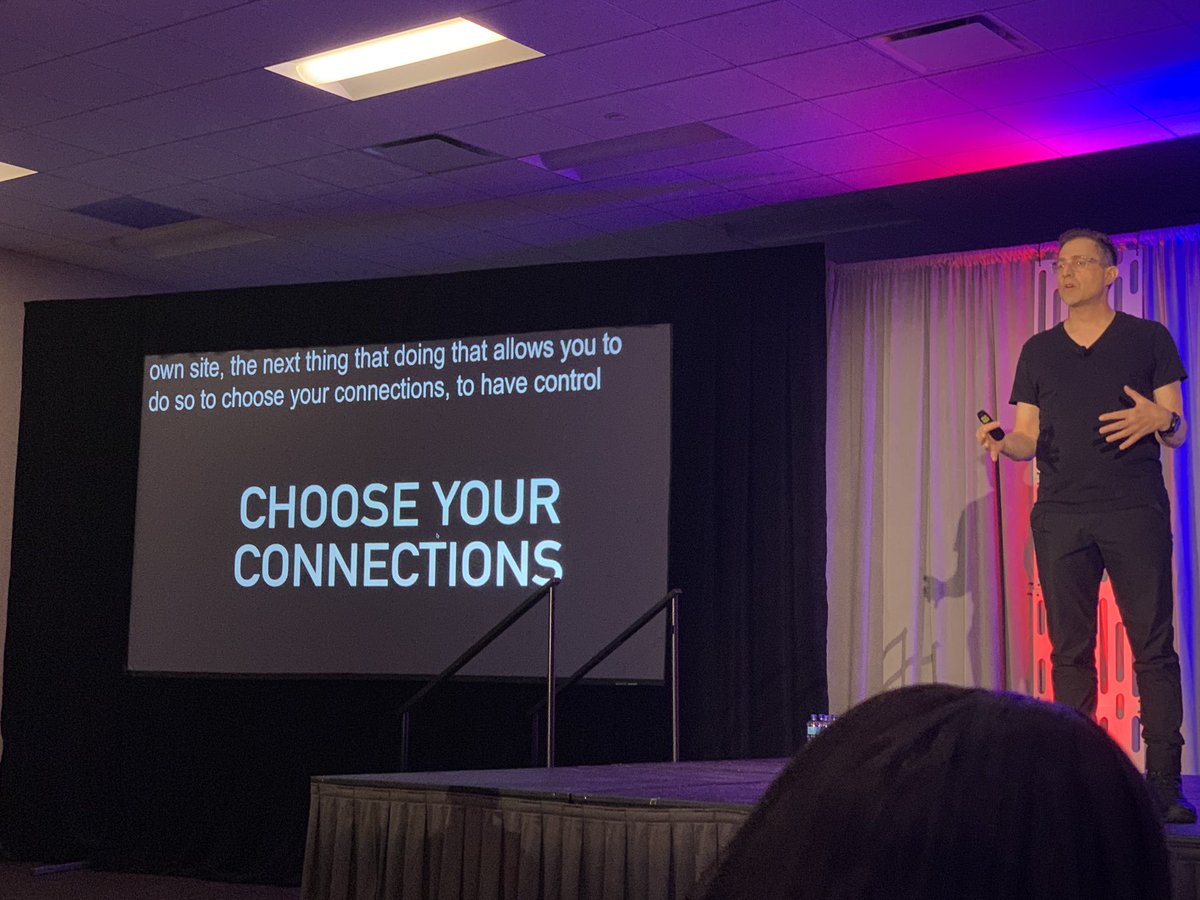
point(406, 59)
point(9, 172)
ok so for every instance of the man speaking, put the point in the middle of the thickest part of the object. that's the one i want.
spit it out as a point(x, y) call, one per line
point(1096, 396)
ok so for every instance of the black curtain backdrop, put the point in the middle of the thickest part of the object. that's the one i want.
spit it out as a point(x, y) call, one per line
point(210, 776)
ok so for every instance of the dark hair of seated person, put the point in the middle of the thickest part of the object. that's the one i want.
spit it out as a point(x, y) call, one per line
point(934, 791)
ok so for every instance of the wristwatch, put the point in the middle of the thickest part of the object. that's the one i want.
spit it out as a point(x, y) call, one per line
point(1173, 427)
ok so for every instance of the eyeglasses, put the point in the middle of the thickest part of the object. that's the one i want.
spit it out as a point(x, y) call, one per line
point(1075, 263)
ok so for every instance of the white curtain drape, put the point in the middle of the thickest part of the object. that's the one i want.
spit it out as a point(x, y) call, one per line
point(930, 566)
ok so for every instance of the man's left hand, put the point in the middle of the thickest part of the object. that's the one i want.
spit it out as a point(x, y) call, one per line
point(1131, 425)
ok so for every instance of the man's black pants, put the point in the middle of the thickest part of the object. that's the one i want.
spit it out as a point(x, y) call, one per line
point(1134, 545)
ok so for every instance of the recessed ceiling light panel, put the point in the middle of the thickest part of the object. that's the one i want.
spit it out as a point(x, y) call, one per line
point(8, 172)
point(406, 59)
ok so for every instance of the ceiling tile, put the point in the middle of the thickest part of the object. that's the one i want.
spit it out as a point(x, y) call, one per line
point(259, 96)
point(575, 200)
point(41, 154)
point(522, 135)
point(832, 70)
point(351, 169)
point(493, 215)
point(71, 80)
point(50, 190)
point(426, 259)
point(749, 169)
point(1063, 23)
point(191, 159)
point(64, 26)
point(412, 225)
point(1170, 94)
point(606, 246)
point(645, 59)
point(271, 218)
point(341, 206)
point(1137, 56)
point(1187, 10)
point(989, 158)
point(266, 32)
point(270, 143)
point(100, 132)
point(63, 224)
point(546, 231)
point(252, 33)
point(19, 107)
point(759, 32)
point(896, 173)
point(936, 137)
point(355, 125)
point(863, 18)
point(617, 115)
point(1128, 135)
point(506, 178)
point(120, 175)
point(625, 219)
point(685, 238)
point(330, 266)
point(556, 27)
point(707, 204)
point(426, 193)
point(363, 241)
point(163, 60)
point(1014, 80)
point(786, 125)
point(803, 189)
point(643, 187)
point(529, 256)
point(200, 198)
point(17, 54)
point(1084, 111)
point(843, 154)
point(473, 244)
point(171, 111)
point(222, 104)
point(462, 101)
point(671, 12)
point(1183, 126)
point(157, 13)
point(723, 93)
point(895, 104)
point(271, 184)
point(541, 83)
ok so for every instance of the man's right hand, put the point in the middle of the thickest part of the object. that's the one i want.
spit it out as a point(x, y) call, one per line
point(988, 441)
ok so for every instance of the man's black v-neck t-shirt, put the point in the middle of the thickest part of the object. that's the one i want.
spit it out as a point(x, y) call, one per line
point(1071, 386)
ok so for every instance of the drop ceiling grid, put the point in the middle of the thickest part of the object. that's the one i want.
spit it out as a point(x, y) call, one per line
point(791, 77)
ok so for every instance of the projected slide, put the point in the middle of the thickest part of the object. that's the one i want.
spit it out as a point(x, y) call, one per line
point(373, 510)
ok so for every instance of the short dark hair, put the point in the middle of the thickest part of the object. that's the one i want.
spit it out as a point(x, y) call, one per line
point(1103, 241)
point(941, 791)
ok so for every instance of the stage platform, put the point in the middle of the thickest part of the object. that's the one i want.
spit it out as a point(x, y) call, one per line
point(622, 832)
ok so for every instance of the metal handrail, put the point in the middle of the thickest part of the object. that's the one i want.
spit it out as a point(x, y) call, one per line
point(474, 650)
point(670, 599)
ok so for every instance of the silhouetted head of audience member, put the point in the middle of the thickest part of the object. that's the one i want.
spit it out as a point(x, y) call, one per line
point(933, 791)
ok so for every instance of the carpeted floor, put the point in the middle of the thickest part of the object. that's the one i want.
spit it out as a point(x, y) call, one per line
point(19, 882)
